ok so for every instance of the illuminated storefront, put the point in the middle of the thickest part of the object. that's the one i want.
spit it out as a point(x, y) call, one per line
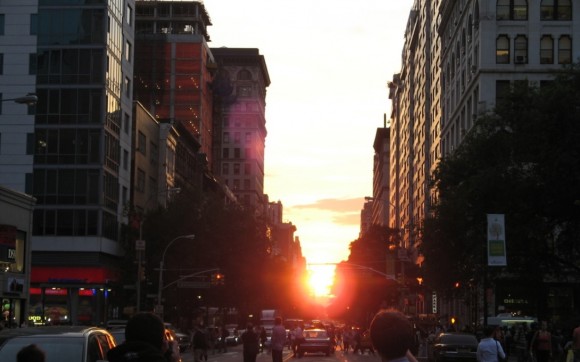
point(69, 295)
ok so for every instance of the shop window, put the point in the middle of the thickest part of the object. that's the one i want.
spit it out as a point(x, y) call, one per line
point(12, 250)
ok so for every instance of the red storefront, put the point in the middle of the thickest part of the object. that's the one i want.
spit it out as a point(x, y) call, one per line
point(70, 295)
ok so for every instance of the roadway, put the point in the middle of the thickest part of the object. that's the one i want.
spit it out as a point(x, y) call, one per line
point(234, 354)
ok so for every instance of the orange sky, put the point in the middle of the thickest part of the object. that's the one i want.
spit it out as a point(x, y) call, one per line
point(329, 62)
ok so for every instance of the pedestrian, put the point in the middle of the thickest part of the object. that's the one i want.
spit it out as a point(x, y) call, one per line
point(541, 343)
point(346, 339)
point(521, 343)
point(250, 343)
point(144, 341)
point(199, 342)
point(278, 340)
point(263, 338)
point(489, 349)
point(392, 336)
point(297, 338)
point(30, 353)
point(576, 343)
point(224, 333)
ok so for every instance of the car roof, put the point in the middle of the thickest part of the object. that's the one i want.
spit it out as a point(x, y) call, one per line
point(75, 331)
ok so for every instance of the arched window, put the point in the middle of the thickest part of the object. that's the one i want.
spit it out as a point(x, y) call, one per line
point(511, 10)
point(547, 50)
point(521, 49)
point(565, 50)
point(556, 10)
point(244, 74)
point(502, 50)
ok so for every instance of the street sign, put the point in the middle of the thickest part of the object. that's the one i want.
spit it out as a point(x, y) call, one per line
point(139, 244)
point(193, 285)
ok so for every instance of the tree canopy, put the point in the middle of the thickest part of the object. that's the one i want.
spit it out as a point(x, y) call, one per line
point(522, 160)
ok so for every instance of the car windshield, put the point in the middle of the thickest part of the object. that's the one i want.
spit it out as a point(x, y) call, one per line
point(57, 349)
point(315, 334)
point(458, 339)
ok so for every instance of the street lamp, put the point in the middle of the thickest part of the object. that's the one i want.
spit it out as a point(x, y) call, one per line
point(30, 99)
point(159, 306)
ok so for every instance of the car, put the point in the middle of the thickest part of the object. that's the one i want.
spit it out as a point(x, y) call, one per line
point(454, 347)
point(233, 338)
point(183, 339)
point(315, 340)
point(59, 343)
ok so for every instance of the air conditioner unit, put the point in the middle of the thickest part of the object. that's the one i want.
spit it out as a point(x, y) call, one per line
point(521, 59)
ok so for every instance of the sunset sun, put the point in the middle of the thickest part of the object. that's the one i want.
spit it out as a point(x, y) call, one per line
point(320, 279)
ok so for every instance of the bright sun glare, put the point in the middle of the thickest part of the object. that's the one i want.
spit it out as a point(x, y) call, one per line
point(320, 279)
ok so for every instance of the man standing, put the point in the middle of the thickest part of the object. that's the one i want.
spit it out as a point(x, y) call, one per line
point(278, 340)
point(392, 336)
point(144, 341)
point(251, 343)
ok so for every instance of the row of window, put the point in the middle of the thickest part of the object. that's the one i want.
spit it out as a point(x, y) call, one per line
point(237, 137)
point(236, 168)
point(503, 52)
point(236, 186)
point(549, 10)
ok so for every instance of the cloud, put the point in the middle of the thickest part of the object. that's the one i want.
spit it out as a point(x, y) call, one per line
point(335, 205)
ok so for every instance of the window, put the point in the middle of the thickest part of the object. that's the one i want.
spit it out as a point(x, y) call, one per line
point(142, 143)
point(33, 24)
point(236, 168)
point(128, 51)
point(244, 91)
point(129, 16)
point(246, 184)
point(502, 88)
point(1, 63)
point(226, 153)
point(153, 153)
point(126, 122)
point(244, 74)
point(225, 168)
point(140, 186)
point(247, 168)
point(556, 10)
point(237, 137)
point(547, 50)
point(565, 50)
point(237, 153)
point(125, 160)
point(521, 49)
point(32, 63)
point(1, 24)
point(512, 10)
point(502, 50)
point(30, 143)
point(128, 87)
point(226, 137)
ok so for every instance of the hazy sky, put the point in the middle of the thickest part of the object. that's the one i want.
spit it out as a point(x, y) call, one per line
point(329, 62)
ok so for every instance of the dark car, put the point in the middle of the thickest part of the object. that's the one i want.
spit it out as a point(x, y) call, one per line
point(183, 339)
point(316, 341)
point(59, 343)
point(454, 347)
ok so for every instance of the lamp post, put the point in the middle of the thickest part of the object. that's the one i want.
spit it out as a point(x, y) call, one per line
point(159, 308)
point(30, 99)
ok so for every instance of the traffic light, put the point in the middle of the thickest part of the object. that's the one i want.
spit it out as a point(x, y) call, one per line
point(217, 279)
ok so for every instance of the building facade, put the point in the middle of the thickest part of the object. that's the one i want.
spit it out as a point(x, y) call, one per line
point(459, 57)
point(241, 130)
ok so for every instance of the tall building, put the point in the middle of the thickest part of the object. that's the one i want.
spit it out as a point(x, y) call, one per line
point(458, 59)
point(381, 173)
point(173, 74)
point(241, 131)
point(66, 151)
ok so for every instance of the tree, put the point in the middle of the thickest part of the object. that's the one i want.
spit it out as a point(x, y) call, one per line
point(523, 160)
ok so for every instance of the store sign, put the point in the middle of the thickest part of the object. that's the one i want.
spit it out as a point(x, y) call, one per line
point(496, 249)
point(434, 303)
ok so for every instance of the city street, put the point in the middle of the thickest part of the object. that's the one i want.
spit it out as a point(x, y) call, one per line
point(235, 354)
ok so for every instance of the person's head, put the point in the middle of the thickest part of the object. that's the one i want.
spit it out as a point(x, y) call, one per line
point(30, 353)
point(145, 327)
point(490, 330)
point(278, 321)
point(544, 325)
point(392, 334)
point(249, 327)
